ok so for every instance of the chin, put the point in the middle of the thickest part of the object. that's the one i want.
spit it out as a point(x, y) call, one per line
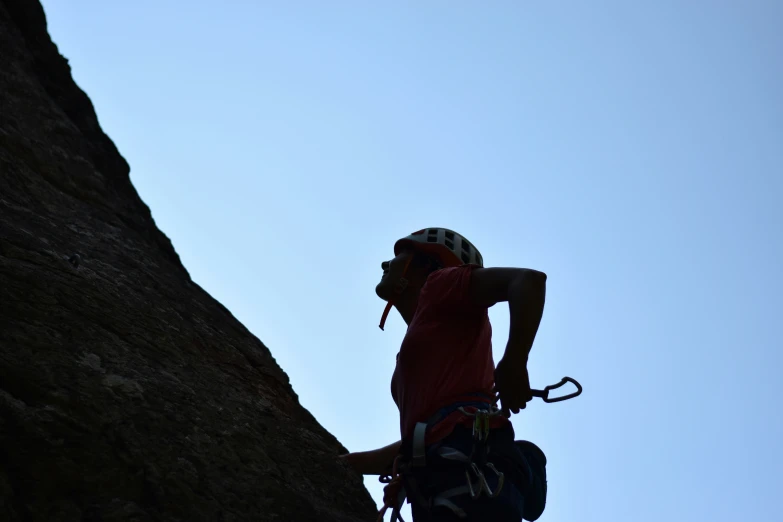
point(382, 292)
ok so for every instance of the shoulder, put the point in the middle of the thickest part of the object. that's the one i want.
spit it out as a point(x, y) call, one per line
point(448, 285)
point(450, 275)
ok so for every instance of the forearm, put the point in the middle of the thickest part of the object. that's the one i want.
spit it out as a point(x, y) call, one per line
point(375, 462)
point(526, 298)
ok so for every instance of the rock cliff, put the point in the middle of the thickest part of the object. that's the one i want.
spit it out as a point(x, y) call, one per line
point(126, 391)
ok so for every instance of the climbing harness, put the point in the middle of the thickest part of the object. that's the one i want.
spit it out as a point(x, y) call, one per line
point(478, 459)
point(394, 493)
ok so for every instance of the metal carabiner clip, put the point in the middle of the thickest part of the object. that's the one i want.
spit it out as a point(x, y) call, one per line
point(483, 485)
point(544, 394)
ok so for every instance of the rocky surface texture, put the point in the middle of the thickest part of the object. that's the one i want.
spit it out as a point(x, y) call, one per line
point(126, 391)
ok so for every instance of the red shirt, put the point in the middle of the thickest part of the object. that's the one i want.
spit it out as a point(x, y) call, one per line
point(446, 354)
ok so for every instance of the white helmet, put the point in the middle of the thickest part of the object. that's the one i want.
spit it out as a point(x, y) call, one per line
point(446, 246)
point(450, 248)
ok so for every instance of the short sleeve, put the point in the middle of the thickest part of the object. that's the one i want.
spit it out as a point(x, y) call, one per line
point(448, 288)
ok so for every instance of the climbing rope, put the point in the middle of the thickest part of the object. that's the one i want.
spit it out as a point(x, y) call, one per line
point(392, 490)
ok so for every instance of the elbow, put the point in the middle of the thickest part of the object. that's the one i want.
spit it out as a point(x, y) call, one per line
point(493, 285)
point(532, 277)
point(537, 275)
point(527, 281)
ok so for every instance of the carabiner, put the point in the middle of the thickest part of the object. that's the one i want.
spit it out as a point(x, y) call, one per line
point(544, 394)
point(483, 485)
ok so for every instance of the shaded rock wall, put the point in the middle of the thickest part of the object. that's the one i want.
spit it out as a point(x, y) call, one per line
point(126, 391)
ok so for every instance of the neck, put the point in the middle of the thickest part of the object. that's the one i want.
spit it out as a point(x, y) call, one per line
point(406, 304)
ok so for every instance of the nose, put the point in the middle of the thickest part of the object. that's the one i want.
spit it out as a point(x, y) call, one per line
point(385, 266)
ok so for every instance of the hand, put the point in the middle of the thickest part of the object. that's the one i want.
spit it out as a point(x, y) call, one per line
point(512, 385)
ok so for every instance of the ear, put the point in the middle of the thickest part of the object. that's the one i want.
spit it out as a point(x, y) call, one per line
point(432, 264)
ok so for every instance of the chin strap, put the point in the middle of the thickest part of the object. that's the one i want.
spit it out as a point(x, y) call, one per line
point(399, 288)
point(385, 314)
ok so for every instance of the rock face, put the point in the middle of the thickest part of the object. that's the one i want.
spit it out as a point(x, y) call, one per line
point(126, 391)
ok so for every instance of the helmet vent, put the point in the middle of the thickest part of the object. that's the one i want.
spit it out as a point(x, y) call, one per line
point(432, 235)
point(450, 244)
point(450, 235)
point(465, 257)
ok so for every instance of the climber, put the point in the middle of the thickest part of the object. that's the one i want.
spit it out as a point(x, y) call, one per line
point(448, 464)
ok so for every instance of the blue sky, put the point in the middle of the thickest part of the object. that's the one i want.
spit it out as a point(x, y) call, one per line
point(630, 150)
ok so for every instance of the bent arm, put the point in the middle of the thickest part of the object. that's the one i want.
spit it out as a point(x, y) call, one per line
point(526, 298)
point(525, 291)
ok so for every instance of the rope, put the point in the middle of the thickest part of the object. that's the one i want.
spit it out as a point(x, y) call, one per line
point(391, 492)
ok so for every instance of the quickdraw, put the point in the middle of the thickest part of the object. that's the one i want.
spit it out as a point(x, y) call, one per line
point(478, 460)
point(482, 481)
point(481, 422)
point(394, 491)
point(544, 394)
